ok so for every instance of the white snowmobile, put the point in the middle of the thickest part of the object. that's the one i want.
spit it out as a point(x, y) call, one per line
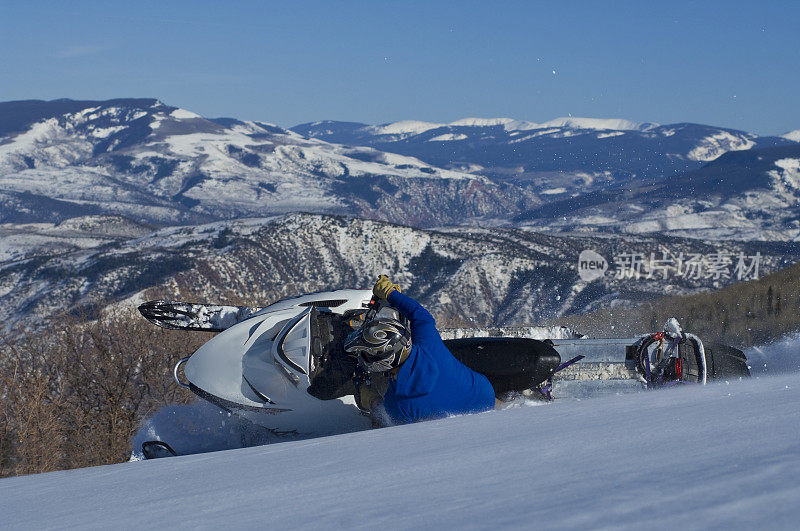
point(283, 366)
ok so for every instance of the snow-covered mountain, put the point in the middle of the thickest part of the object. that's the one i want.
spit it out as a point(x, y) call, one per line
point(407, 128)
point(752, 195)
point(560, 156)
point(155, 163)
point(613, 175)
point(465, 276)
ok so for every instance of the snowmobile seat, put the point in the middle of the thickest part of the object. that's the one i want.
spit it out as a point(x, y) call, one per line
point(511, 364)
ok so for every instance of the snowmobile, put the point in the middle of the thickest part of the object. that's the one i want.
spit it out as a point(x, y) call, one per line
point(283, 366)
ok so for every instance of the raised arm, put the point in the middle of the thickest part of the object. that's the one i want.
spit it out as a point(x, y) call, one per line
point(423, 326)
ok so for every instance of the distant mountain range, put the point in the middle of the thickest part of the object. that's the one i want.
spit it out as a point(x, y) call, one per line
point(749, 195)
point(161, 165)
point(606, 151)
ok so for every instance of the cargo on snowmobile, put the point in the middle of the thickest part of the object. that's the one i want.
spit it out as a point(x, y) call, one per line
point(272, 365)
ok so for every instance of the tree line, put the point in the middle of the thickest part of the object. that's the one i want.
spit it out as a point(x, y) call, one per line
point(73, 395)
point(740, 315)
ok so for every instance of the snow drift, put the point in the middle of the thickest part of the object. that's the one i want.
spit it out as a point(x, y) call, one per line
point(724, 455)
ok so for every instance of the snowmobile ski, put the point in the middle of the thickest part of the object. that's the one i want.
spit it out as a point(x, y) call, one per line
point(177, 315)
point(190, 316)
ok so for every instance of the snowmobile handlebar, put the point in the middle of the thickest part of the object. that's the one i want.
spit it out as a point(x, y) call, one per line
point(375, 305)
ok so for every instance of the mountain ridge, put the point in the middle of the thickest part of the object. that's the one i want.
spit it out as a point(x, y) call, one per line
point(162, 165)
point(466, 276)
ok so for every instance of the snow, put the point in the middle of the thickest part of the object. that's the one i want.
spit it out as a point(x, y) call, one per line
point(482, 122)
point(786, 181)
point(22, 241)
point(534, 135)
point(690, 221)
point(533, 332)
point(43, 135)
point(183, 114)
point(610, 135)
point(413, 127)
point(793, 135)
point(520, 125)
point(107, 131)
point(447, 138)
point(779, 357)
point(598, 123)
point(404, 127)
point(558, 124)
point(199, 427)
point(633, 461)
point(718, 144)
point(788, 164)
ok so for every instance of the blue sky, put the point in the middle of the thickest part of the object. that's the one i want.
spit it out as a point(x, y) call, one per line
point(733, 64)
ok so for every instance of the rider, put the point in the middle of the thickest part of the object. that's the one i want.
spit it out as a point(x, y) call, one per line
point(426, 380)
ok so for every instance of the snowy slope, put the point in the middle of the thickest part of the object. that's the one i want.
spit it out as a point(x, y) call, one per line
point(20, 241)
point(793, 135)
point(405, 128)
point(724, 456)
point(491, 276)
point(745, 194)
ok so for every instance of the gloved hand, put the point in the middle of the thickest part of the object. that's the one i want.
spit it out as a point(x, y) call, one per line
point(383, 287)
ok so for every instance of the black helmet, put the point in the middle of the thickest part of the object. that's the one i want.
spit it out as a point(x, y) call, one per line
point(380, 344)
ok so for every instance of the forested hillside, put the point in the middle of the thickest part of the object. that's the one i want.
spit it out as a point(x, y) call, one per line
point(743, 314)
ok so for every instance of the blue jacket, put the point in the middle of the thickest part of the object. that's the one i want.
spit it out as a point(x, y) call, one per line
point(432, 383)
